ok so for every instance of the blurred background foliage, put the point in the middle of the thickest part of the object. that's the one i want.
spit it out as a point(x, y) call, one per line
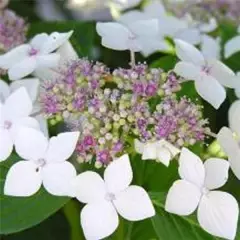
point(28, 219)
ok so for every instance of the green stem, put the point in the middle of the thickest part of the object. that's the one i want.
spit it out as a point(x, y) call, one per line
point(72, 211)
point(129, 232)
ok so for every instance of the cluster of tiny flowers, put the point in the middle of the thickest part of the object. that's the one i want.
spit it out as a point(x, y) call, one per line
point(229, 9)
point(221, 9)
point(111, 110)
point(180, 121)
point(13, 30)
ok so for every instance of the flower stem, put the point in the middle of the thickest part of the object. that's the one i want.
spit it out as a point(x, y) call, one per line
point(129, 232)
point(132, 56)
point(209, 133)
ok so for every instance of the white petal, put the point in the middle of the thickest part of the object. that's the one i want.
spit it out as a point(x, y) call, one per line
point(43, 124)
point(187, 70)
point(38, 41)
point(6, 144)
point(118, 175)
point(48, 61)
point(23, 179)
point(147, 28)
point(22, 68)
point(172, 149)
point(31, 144)
point(14, 56)
point(55, 40)
point(237, 91)
point(89, 187)
point(138, 146)
point(230, 146)
point(210, 26)
point(17, 105)
point(57, 178)
point(232, 46)
point(234, 117)
point(99, 220)
point(62, 146)
point(28, 122)
point(166, 151)
point(31, 85)
point(164, 156)
point(189, 35)
point(170, 25)
point(222, 73)
point(183, 198)
point(210, 90)
point(188, 53)
point(47, 74)
point(134, 204)
point(114, 35)
point(150, 45)
point(155, 9)
point(149, 151)
point(132, 16)
point(4, 90)
point(216, 170)
point(67, 53)
point(191, 168)
point(218, 214)
point(210, 47)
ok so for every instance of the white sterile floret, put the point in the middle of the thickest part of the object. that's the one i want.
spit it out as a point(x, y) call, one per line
point(44, 162)
point(138, 36)
point(161, 150)
point(15, 110)
point(229, 139)
point(27, 58)
point(232, 46)
point(209, 75)
point(32, 86)
point(184, 28)
point(217, 211)
point(108, 197)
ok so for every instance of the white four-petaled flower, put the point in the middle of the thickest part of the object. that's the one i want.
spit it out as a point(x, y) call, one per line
point(25, 59)
point(136, 37)
point(229, 139)
point(218, 211)
point(184, 28)
point(161, 150)
point(105, 198)
point(44, 162)
point(208, 74)
point(14, 114)
point(32, 87)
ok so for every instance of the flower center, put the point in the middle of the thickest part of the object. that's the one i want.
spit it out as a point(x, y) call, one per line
point(205, 191)
point(110, 197)
point(41, 162)
point(32, 52)
point(132, 36)
point(7, 125)
point(206, 69)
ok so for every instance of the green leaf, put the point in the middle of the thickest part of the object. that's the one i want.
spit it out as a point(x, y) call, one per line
point(20, 213)
point(82, 38)
point(166, 63)
point(171, 227)
point(54, 228)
